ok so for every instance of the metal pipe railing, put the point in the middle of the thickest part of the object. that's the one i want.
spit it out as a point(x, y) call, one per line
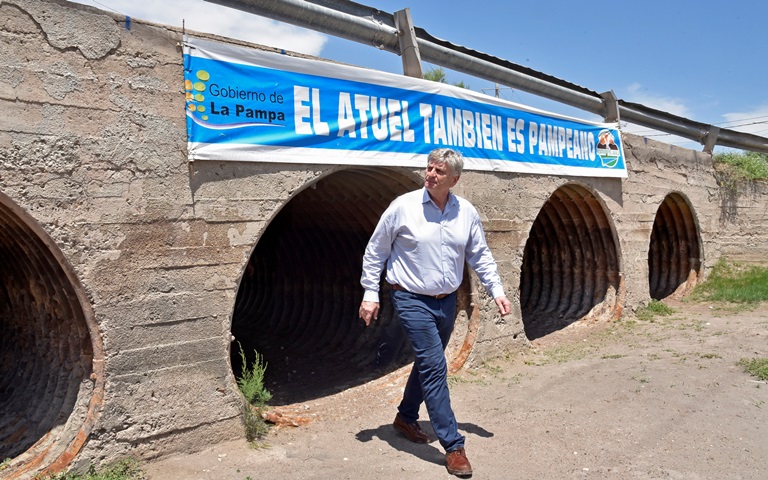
point(370, 26)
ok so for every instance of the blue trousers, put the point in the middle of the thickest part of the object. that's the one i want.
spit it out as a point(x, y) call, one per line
point(429, 322)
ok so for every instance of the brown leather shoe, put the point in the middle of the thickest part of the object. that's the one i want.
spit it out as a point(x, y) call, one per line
point(412, 431)
point(457, 463)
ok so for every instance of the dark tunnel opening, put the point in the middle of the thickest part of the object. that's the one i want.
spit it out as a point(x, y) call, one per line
point(570, 268)
point(297, 304)
point(48, 385)
point(674, 253)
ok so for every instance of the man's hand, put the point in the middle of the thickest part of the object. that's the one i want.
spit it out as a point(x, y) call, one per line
point(369, 311)
point(504, 305)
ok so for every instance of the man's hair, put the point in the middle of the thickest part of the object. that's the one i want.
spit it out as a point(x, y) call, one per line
point(452, 158)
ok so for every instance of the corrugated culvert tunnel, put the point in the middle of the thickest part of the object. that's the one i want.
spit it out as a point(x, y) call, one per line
point(298, 300)
point(570, 269)
point(674, 253)
point(51, 379)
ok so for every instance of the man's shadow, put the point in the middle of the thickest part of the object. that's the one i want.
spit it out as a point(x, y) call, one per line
point(430, 452)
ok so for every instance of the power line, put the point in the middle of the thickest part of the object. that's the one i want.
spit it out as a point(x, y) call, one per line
point(751, 123)
point(743, 119)
point(642, 132)
point(106, 6)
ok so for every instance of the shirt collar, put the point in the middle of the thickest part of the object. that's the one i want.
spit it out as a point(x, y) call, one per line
point(426, 198)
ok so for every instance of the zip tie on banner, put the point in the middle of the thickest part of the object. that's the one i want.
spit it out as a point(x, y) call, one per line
point(184, 37)
point(185, 45)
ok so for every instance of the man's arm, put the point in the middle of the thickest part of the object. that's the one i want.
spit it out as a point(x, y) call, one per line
point(377, 253)
point(479, 257)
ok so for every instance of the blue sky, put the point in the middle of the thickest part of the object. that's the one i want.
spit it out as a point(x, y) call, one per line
point(705, 61)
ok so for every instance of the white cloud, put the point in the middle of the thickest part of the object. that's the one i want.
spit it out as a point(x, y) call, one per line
point(753, 121)
point(212, 18)
point(636, 93)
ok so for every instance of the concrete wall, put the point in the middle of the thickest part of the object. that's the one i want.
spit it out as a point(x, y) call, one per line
point(93, 162)
point(742, 229)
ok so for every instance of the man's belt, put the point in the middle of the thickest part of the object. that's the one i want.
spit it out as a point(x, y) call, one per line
point(397, 287)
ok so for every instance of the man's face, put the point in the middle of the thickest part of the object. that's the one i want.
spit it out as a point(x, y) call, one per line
point(439, 178)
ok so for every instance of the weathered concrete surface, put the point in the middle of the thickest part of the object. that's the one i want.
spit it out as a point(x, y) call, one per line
point(92, 141)
point(743, 221)
point(93, 147)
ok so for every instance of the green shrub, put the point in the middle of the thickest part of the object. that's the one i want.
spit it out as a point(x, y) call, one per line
point(756, 366)
point(124, 470)
point(251, 384)
point(251, 380)
point(742, 165)
point(732, 282)
point(653, 309)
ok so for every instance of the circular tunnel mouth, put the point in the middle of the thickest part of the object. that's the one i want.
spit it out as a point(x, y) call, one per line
point(570, 269)
point(49, 384)
point(298, 300)
point(674, 254)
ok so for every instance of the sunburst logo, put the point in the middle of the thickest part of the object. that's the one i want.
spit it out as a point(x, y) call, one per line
point(195, 93)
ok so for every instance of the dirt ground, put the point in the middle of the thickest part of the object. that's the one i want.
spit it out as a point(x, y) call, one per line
point(632, 399)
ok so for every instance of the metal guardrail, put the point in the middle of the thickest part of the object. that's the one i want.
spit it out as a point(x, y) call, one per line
point(370, 26)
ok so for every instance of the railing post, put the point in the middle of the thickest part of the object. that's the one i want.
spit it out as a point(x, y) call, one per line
point(611, 104)
point(710, 139)
point(409, 50)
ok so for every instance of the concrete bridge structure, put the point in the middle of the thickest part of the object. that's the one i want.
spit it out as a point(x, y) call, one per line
point(126, 271)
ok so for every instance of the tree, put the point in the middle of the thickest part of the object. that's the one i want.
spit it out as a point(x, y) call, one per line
point(437, 74)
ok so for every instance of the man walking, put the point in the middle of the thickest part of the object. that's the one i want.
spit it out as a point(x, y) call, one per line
point(423, 240)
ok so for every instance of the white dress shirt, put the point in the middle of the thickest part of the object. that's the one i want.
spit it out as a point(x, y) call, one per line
point(425, 249)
